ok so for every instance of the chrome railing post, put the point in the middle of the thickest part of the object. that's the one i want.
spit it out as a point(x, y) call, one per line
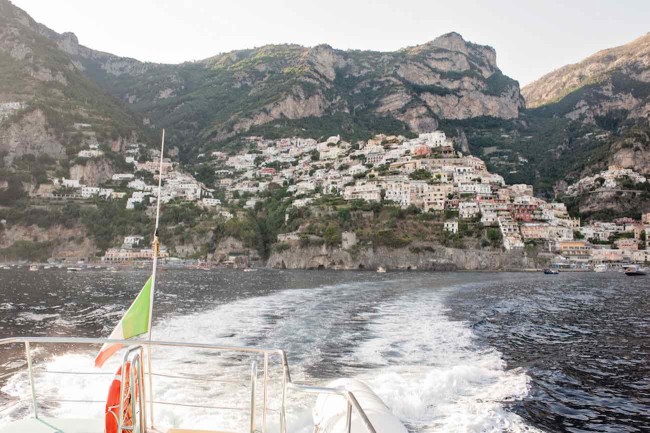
point(266, 382)
point(135, 363)
point(120, 414)
point(285, 379)
point(348, 417)
point(30, 372)
point(143, 398)
point(150, 385)
point(133, 389)
point(143, 395)
point(253, 382)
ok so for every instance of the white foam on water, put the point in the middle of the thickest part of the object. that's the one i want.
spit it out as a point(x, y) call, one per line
point(35, 317)
point(431, 373)
point(426, 367)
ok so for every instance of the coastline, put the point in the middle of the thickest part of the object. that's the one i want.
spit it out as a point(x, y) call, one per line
point(423, 257)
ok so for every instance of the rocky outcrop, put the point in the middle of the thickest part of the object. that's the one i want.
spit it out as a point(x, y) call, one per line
point(437, 258)
point(632, 151)
point(622, 203)
point(92, 172)
point(30, 135)
point(447, 78)
point(232, 252)
point(612, 79)
point(65, 243)
point(474, 103)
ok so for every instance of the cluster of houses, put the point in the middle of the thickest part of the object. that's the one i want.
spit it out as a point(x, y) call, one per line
point(426, 172)
point(132, 250)
point(610, 179)
point(132, 185)
point(8, 108)
point(611, 243)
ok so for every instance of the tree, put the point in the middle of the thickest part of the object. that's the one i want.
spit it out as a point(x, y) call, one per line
point(495, 237)
point(420, 174)
point(332, 235)
point(13, 193)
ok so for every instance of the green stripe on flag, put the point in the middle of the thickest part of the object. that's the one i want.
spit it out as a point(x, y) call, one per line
point(136, 319)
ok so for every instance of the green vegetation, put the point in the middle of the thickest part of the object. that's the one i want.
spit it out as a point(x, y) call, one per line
point(26, 250)
point(421, 174)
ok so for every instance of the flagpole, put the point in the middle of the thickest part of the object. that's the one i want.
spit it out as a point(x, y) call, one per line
point(155, 246)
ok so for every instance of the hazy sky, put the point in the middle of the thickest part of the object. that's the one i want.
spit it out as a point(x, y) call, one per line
point(531, 37)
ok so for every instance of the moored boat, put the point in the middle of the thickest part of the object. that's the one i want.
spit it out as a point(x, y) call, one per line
point(600, 268)
point(634, 271)
point(549, 271)
point(381, 270)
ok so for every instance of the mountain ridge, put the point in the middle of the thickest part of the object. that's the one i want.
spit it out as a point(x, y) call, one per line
point(292, 72)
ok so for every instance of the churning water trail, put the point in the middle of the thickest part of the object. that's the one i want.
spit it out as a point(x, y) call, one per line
point(394, 334)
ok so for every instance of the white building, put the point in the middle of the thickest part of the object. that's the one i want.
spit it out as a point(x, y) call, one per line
point(468, 209)
point(211, 202)
point(131, 241)
point(451, 226)
point(367, 192)
point(119, 177)
point(90, 153)
point(89, 191)
point(70, 183)
point(474, 188)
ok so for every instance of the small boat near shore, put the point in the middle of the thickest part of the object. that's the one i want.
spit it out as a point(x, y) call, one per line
point(635, 271)
point(33, 268)
point(381, 270)
point(600, 268)
point(548, 271)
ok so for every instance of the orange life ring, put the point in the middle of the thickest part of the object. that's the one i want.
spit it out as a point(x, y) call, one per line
point(113, 403)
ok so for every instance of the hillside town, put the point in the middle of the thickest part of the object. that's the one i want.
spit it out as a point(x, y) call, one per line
point(426, 172)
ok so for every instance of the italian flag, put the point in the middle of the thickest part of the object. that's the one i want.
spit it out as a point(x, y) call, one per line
point(135, 322)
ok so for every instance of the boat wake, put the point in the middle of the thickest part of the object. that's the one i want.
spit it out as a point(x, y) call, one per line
point(427, 368)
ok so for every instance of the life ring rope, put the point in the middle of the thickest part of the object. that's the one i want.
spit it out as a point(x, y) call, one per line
point(111, 417)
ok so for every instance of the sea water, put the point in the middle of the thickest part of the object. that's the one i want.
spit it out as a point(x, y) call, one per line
point(447, 352)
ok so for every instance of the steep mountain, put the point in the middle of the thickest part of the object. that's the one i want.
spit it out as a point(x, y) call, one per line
point(284, 89)
point(44, 97)
point(612, 80)
point(609, 90)
point(218, 98)
point(275, 89)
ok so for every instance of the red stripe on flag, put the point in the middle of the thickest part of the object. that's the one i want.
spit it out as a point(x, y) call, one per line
point(106, 353)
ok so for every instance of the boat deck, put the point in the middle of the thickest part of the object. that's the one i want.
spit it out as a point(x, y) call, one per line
point(55, 425)
point(72, 425)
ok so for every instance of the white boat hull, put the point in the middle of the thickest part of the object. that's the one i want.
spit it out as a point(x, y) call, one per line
point(330, 410)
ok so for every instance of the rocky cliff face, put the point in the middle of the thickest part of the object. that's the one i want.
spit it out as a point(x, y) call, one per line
point(437, 258)
point(615, 79)
point(30, 134)
point(446, 78)
point(44, 91)
point(62, 243)
point(608, 94)
point(232, 93)
point(92, 173)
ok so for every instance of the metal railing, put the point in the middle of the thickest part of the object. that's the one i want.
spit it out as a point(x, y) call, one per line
point(134, 356)
point(350, 399)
